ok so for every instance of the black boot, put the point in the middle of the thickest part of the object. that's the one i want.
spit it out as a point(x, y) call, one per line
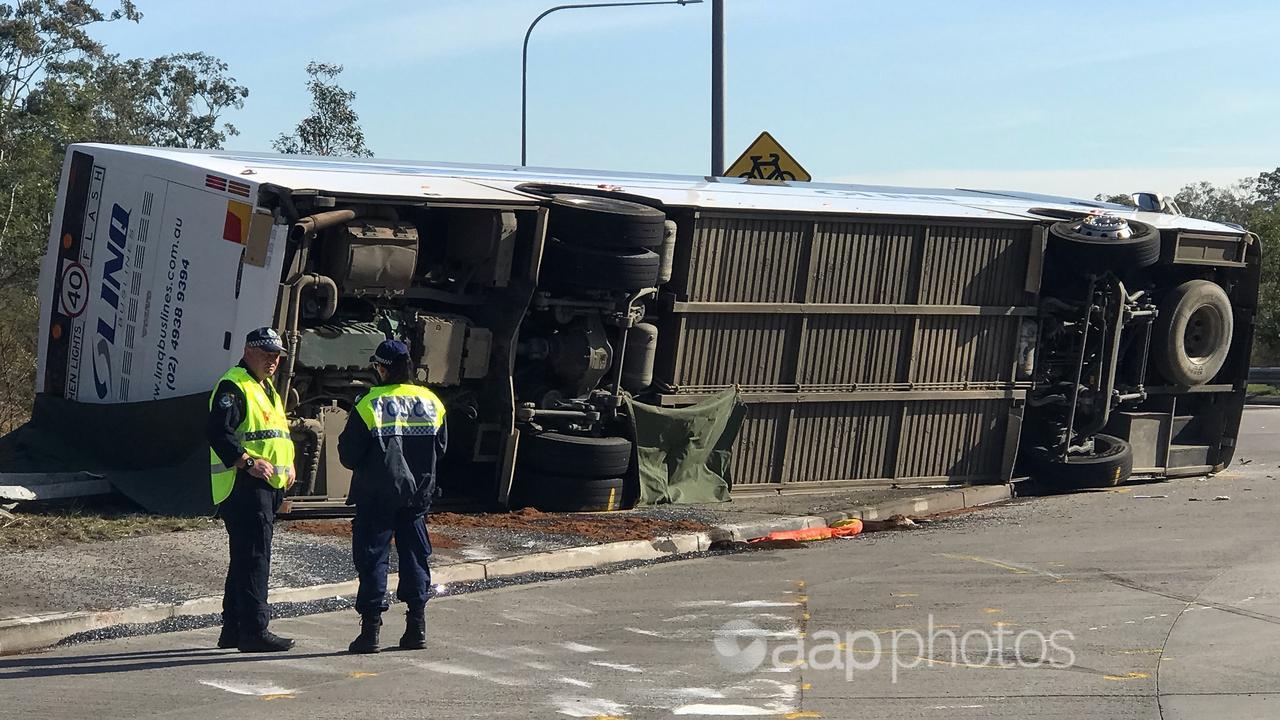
point(368, 640)
point(229, 637)
point(415, 629)
point(266, 642)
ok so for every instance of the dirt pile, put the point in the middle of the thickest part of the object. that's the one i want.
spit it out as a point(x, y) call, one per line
point(601, 527)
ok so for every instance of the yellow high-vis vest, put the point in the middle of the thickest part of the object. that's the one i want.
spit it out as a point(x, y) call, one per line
point(401, 409)
point(264, 433)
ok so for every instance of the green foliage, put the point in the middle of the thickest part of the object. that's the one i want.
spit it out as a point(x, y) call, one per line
point(1117, 199)
point(333, 127)
point(58, 85)
point(1254, 204)
point(1232, 203)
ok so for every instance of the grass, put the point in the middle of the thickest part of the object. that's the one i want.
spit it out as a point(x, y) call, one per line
point(45, 527)
point(1262, 390)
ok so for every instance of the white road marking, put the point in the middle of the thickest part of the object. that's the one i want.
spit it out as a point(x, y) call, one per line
point(700, 693)
point(617, 666)
point(731, 710)
point(248, 688)
point(639, 631)
point(771, 616)
point(762, 603)
point(588, 707)
point(580, 648)
point(575, 682)
point(764, 687)
point(463, 671)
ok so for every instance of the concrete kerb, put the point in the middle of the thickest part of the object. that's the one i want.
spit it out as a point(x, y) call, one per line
point(34, 632)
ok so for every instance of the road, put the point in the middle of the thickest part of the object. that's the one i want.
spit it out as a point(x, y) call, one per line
point(1107, 605)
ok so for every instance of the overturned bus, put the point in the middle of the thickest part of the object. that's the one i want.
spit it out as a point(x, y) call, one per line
point(874, 335)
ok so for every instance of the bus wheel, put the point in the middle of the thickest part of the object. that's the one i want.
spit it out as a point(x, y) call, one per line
point(574, 455)
point(1104, 242)
point(605, 222)
point(555, 493)
point(1193, 333)
point(1110, 464)
point(598, 267)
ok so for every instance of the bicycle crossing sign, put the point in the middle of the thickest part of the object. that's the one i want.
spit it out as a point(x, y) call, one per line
point(765, 159)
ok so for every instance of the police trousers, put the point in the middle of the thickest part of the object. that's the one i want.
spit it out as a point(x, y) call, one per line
point(371, 534)
point(249, 513)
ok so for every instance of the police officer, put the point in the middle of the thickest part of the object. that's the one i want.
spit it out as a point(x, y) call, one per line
point(391, 442)
point(251, 461)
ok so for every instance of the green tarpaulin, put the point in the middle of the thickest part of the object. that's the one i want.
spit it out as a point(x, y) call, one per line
point(685, 453)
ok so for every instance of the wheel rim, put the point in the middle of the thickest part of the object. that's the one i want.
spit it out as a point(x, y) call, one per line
point(1101, 449)
point(1203, 335)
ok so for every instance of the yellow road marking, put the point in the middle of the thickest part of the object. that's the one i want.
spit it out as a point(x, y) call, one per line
point(991, 610)
point(1127, 676)
point(277, 696)
point(904, 594)
point(806, 686)
point(358, 674)
point(802, 714)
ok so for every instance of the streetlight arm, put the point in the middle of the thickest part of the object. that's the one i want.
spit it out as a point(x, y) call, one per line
point(524, 53)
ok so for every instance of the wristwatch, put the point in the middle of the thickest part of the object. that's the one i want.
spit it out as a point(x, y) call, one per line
point(249, 463)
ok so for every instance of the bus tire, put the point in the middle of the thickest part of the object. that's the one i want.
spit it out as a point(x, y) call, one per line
point(1097, 254)
point(556, 493)
point(1110, 464)
point(599, 268)
point(605, 222)
point(574, 455)
point(1193, 333)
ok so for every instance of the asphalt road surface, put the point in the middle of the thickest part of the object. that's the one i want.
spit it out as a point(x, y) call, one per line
point(1153, 601)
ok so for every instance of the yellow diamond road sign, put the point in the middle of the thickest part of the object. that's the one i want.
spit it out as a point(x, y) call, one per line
point(766, 160)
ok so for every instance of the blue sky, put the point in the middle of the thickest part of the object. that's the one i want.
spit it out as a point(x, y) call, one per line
point(1068, 97)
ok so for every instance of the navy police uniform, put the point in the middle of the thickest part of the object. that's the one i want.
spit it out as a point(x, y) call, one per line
point(392, 442)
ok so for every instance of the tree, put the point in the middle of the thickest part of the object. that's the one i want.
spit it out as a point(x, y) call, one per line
point(1231, 203)
point(58, 85)
point(1268, 187)
point(169, 101)
point(1117, 199)
point(333, 127)
point(37, 36)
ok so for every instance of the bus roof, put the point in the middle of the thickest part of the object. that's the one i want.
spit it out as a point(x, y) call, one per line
point(501, 183)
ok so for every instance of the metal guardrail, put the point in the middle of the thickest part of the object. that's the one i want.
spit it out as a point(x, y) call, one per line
point(1265, 375)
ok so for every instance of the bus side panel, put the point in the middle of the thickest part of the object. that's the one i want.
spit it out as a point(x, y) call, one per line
point(868, 350)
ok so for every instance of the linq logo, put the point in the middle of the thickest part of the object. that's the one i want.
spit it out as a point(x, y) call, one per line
point(117, 237)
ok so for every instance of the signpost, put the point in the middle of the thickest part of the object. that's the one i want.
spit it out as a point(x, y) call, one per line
point(765, 159)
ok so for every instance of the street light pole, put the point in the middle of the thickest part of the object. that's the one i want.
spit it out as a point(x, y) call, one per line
point(524, 58)
point(717, 88)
